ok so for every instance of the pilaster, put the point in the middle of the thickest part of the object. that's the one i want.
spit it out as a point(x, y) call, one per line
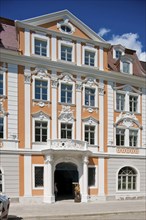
point(101, 115)
point(78, 109)
point(27, 176)
point(27, 42)
point(101, 183)
point(27, 75)
point(85, 179)
point(54, 84)
point(48, 180)
point(54, 50)
point(101, 56)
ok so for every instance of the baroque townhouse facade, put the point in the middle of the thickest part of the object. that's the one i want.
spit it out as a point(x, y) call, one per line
point(72, 110)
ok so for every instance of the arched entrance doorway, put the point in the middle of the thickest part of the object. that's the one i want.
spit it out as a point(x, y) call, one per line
point(65, 175)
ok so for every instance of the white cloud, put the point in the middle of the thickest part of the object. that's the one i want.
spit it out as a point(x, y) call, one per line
point(103, 31)
point(129, 40)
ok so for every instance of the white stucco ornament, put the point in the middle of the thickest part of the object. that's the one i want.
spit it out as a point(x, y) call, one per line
point(66, 114)
point(127, 119)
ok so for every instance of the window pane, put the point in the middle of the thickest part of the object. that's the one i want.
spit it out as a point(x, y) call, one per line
point(40, 131)
point(91, 176)
point(66, 53)
point(127, 177)
point(40, 47)
point(1, 127)
point(39, 175)
point(41, 89)
point(66, 93)
point(126, 67)
point(1, 84)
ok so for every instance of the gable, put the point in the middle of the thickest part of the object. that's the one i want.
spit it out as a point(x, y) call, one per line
point(49, 21)
point(53, 27)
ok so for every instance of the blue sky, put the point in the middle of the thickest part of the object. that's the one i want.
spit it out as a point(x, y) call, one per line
point(115, 20)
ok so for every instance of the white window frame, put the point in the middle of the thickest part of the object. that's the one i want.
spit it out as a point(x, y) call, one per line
point(96, 174)
point(73, 91)
point(138, 136)
point(117, 49)
point(138, 99)
point(44, 119)
point(3, 181)
point(137, 180)
point(33, 85)
point(69, 122)
point(122, 128)
point(67, 44)
point(90, 49)
point(89, 123)
point(3, 72)
point(126, 139)
point(130, 66)
point(40, 37)
point(122, 93)
point(96, 95)
point(127, 106)
point(33, 171)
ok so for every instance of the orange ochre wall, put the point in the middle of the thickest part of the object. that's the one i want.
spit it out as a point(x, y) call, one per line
point(37, 159)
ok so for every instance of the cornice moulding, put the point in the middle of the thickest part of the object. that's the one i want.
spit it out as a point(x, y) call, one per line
point(59, 34)
point(76, 70)
point(98, 154)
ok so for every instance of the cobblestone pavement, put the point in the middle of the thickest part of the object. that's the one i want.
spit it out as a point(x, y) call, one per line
point(131, 209)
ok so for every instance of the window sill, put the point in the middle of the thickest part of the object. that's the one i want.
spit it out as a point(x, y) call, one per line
point(3, 96)
point(66, 104)
point(123, 111)
point(40, 56)
point(88, 106)
point(38, 143)
point(66, 62)
point(92, 67)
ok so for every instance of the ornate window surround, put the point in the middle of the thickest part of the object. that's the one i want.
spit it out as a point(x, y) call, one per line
point(40, 116)
point(43, 78)
point(90, 83)
point(66, 116)
point(127, 90)
point(43, 38)
point(90, 121)
point(126, 122)
point(68, 80)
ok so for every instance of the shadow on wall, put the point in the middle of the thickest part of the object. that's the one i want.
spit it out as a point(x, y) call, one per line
point(14, 217)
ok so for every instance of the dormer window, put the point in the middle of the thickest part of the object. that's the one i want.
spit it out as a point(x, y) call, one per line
point(118, 51)
point(126, 67)
point(118, 54)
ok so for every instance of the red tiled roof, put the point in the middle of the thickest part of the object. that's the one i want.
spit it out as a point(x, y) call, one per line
point(8, 37)
point(139, 67)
